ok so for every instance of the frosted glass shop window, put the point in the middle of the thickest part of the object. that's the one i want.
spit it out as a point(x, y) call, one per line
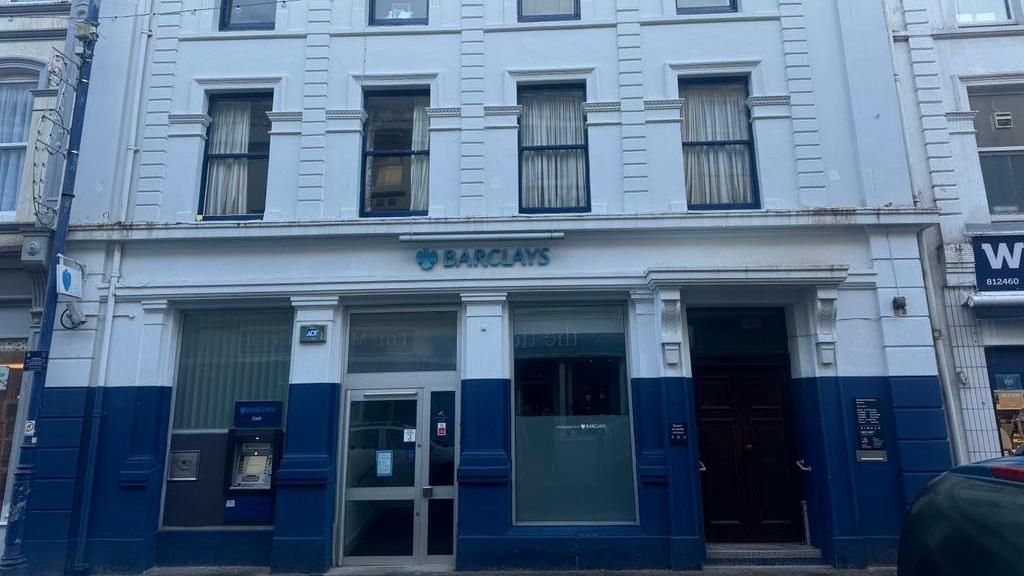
point(402, 342)
point(573, 443)
point(226, 357)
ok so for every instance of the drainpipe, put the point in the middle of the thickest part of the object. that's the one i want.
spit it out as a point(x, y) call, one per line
point(79, 565)
point(948, 377)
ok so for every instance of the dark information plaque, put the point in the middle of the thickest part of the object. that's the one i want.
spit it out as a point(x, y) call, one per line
point(871, 430)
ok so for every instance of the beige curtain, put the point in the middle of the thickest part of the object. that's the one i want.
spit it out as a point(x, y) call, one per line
point(553, 178)
point(227, 178)
point(717, 174)
point(420, 163)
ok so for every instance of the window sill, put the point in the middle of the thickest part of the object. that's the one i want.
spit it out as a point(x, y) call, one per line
point(1015, 217)
point(982, 31)
point(200, 218)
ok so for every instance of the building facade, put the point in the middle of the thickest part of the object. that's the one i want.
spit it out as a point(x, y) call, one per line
point(546, 284)
point(29, 36)
point(961, 84)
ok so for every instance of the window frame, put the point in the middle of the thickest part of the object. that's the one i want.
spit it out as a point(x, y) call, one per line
point(631, 410)
point(989, 151)
point(751, 144)
point(374, 21)
point(1011, 18)
point(731, 8)
point(364, 154)
point(224, 22)
point(566, 86)
point(576, 14)
point(210, 100)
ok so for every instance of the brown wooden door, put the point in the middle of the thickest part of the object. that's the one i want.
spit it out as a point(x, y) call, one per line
point(750, 485)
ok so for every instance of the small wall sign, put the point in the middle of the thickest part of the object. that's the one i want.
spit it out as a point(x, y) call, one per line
point(871, 431)
point(678, 434)
point(259, 414)
point(312, 333)
point(36, 360)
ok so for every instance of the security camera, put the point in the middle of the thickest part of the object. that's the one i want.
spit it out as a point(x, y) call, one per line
point(73, 317)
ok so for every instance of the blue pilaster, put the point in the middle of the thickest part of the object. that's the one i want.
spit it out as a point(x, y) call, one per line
point(306, 482)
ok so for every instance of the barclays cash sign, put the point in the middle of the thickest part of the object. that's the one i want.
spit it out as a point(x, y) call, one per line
point(428, 258)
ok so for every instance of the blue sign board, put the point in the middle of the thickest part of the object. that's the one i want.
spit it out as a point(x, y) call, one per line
point(998, 263)
point(36, 360)
point(259, 413)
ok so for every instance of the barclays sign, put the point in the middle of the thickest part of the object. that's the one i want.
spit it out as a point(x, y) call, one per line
point(428, 258)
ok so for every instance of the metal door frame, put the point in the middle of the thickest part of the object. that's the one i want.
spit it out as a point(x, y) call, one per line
point(371, 391)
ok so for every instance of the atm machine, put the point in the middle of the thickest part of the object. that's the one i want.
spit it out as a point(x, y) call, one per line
point(254, 455)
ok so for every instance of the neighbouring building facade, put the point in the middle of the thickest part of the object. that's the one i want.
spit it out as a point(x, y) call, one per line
point(962, 86)
point(29, 35)
point(535, 284)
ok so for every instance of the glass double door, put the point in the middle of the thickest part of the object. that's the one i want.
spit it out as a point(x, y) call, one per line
point(399, 470)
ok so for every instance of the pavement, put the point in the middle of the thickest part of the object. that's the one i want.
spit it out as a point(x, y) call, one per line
point(709, 571)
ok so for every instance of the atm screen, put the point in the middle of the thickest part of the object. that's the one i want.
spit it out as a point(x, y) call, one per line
point(253, 466)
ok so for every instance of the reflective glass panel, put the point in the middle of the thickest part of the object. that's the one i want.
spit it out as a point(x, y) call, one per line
point(402, 342)
point(380, 452)
point(379, 528)
point(573, 452)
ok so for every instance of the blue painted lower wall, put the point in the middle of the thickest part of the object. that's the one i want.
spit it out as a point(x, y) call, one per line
point(855, 508)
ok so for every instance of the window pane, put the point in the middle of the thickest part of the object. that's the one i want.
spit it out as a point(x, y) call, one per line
point(718, 174)
point(230, 356)
point(11, 162)
point(1004, 181)
point(442, 438)
point(15, 111)
point(705, 5)
point(440, 527)
point(1000, 119)
point(574, 459)
point(973, 11)
point(715, 112)
point(402, 342)
point(552, 117)
point(378, 455)
point(397, 182)
point(554, 178)
point(249, 13)
point(379, 528)
point(398, 10)
point(547, 8)
point(239, 127)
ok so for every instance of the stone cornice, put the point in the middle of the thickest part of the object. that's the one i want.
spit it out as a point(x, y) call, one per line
point(347, 115)
point(189, 119)
point(503, 110)
point(285, 116)
point(773, 100)
point(589, 107)
point(668, 104)
point(454, 112)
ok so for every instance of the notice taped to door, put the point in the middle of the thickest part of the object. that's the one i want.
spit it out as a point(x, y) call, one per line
point(385, 463)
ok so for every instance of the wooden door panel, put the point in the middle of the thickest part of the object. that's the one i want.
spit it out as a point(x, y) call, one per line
point(750, 492)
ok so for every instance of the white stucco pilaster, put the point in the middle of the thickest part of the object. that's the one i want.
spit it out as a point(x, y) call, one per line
point(317, 362)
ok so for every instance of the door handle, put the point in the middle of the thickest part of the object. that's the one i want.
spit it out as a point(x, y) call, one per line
point(428, 491)
point(803, 466)
point(701, 466)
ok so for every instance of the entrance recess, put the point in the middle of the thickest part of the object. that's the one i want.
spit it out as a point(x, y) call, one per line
point(399, 472)
point(750, 480)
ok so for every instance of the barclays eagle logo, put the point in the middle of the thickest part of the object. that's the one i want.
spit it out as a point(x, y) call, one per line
point(426, 258)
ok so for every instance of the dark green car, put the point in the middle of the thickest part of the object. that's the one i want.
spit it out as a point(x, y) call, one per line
point(968, 521)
